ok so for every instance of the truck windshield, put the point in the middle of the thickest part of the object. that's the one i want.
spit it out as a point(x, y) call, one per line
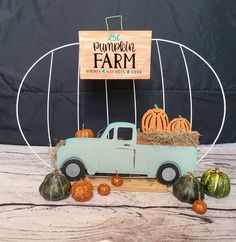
point(100, 132)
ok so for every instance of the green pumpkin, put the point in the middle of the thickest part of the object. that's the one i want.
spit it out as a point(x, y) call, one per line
point(187, 188)
point(215, 183)
point(55, 187)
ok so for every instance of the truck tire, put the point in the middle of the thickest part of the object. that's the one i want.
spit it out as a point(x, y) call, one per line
point(168, 173)
point(73, 169)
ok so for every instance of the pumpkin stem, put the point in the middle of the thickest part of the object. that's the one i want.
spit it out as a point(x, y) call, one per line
point(155, 106)
point(179, 116)
point(82, 125)
point(199, 195)
point(55, 171)
point(217, 169)
point(190, 174)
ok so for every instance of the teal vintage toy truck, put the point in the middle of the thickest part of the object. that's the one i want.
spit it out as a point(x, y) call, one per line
point(117, 150)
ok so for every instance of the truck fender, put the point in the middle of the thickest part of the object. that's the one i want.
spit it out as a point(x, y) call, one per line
point(87, 168)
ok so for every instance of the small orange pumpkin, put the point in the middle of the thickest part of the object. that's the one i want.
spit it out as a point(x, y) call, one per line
point(179, 125)
point(84, 133)
point(154, 120)
point(199, 206)
point(104, 189)
point(81, 191)
point(117, 180)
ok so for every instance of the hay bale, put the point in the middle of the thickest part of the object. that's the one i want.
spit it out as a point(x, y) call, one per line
point(53, 151)
point(167, 138)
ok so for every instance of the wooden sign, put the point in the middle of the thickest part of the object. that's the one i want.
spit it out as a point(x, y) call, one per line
point(115, 54)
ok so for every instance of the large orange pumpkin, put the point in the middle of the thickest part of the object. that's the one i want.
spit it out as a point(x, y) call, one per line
point(179, 125)
point(81, 191)
point(154, 120)
point(87, 183)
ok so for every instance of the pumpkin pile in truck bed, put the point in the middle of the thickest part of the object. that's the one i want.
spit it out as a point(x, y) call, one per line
point(158, 130)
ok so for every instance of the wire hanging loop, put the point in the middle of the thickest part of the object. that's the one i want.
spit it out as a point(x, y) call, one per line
point(106, 88)
point(113, 17)
point(134, 90)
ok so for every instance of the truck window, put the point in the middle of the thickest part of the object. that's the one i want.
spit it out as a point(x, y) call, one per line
point(125, 134)
point(110, 134)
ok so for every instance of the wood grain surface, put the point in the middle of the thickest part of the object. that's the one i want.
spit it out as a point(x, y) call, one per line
point(121, 216)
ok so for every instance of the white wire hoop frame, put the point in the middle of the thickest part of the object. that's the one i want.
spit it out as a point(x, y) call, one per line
point(181, 46)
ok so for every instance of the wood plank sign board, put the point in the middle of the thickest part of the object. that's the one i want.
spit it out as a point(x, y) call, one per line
point(115, 54)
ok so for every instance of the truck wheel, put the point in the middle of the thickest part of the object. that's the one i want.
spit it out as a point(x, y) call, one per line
point(73, 169)
point(168, 173)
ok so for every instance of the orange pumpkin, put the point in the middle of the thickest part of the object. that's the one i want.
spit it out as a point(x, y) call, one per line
point(199, 206)
point(84, 133)
point(154, 120)
point(117, 180)
point(179, 125)
point(104, 189)
point(87, 183)
point(81, 191)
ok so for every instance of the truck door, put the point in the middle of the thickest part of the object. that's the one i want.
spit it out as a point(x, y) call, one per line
point(120, 152)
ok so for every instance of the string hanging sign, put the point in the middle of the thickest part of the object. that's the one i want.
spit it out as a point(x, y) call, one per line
point(115, 54)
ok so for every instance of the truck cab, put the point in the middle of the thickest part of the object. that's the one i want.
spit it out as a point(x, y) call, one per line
point(119, 141)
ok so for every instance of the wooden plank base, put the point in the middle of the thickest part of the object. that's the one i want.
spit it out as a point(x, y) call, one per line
point(137, 184)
